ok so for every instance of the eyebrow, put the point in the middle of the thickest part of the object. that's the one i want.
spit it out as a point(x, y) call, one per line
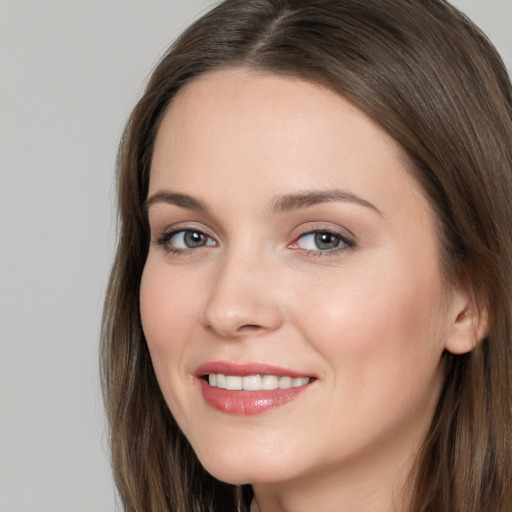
point(177, 199)
point(278, 205)
point(290, 202)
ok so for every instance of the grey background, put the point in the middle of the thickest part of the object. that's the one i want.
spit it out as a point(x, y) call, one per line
point(70, 71)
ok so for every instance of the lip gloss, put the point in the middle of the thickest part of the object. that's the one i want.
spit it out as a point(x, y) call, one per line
point(244, 402)
point(247, 402)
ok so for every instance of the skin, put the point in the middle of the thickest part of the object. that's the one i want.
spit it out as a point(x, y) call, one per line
point(369, 320)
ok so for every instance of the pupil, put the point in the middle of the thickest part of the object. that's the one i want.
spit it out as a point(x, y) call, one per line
point(193, 239)
point(326, 240)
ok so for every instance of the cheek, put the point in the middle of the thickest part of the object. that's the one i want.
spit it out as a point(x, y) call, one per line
point(376, 321)
point(154, 308)
point(383, 348)
point(168, 307)
point(166, 314)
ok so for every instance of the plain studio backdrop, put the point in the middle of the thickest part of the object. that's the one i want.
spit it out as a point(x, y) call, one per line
point(70, 72)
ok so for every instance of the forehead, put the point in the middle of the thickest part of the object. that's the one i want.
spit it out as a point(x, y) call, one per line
point(259, 132)
point(249, 99)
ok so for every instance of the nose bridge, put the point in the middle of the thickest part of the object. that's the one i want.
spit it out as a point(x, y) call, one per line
point(241, 298)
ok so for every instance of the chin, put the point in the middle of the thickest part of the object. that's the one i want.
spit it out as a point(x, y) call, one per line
point(240, 467)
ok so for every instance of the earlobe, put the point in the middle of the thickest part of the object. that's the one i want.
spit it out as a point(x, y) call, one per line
point(469, 327)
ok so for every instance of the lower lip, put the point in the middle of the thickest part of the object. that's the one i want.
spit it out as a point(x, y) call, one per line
point(248, 402)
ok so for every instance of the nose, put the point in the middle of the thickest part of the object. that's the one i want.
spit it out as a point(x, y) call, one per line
point(242, 299)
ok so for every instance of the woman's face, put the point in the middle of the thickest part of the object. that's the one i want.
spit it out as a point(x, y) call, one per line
point(290, 246)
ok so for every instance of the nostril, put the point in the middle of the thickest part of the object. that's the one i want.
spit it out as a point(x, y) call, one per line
point(249, 328)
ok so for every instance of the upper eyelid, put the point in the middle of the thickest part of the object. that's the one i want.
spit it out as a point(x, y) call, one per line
point(182, 226)
point(323, 227)
point(174, 232)
point(343, 237)
point(303, 229)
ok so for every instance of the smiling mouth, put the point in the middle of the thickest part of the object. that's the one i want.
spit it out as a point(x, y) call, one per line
point(251, 393)
point(254, 382)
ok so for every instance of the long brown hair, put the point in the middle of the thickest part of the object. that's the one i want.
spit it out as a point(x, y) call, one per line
point(432, 80)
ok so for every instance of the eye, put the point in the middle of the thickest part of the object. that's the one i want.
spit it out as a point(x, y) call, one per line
point(185, 240)
point(322, 241)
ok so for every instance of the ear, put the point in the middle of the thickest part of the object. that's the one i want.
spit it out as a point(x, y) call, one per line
point(470, 322)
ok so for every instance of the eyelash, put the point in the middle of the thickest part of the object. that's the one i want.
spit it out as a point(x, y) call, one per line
point(343, 242)
point(165, 239)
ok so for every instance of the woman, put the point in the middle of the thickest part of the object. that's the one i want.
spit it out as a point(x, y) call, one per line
point(310, 306)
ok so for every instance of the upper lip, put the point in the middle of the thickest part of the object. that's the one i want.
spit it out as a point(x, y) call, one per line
point(245, 369)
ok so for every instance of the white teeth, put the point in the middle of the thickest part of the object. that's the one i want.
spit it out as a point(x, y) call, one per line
point(285, 383)
point(252, 382)
point(233, 382)
point(255, 382)
point(299, 382)
point(270, 382)
point(221, 381)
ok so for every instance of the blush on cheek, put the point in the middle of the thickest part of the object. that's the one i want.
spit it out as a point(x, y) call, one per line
point(388, 314)
point(168, 315)
point(155, 310)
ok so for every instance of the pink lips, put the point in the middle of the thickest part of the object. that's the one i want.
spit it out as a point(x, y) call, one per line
point(246, 402)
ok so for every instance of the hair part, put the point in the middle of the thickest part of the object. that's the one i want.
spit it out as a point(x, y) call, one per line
point(425, 74)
